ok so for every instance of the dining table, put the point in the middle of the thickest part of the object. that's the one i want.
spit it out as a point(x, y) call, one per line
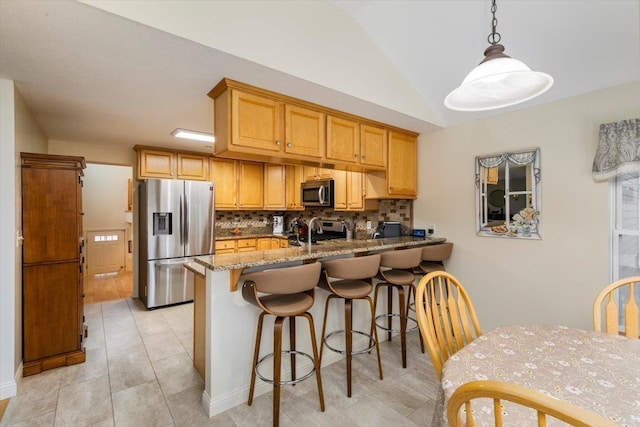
point(593, 370)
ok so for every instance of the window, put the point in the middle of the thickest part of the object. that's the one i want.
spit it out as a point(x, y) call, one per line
point(105, 238)
point(625, 232)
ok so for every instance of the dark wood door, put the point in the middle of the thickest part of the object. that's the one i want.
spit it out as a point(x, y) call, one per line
point(51, 309)
point(50, 215)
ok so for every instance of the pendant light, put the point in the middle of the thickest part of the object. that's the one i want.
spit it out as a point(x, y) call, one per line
point(498, 81)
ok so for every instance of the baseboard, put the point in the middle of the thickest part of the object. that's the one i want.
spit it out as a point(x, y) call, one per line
point(10, 388)
point(238, 397)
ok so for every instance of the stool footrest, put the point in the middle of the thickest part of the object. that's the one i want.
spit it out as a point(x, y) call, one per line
point(291, 382)
point(384, 316)
point(342, 331)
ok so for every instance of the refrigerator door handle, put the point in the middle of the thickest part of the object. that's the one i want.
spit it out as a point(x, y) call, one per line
point(182, 213)
point(186, 201)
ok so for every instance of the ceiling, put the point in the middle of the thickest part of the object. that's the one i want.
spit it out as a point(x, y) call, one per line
point(115, 73)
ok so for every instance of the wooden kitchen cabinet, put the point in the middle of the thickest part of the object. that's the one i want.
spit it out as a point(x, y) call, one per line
point(304, 131)
point(311, 173)
point(274, 187)
point(224, 174)
point(250, 185)
point(225, 247)
point(349, 193)
point(294, 176)
point(238, 184)
point(246, 245)
point(52, 287)
point(156, 164)
point(402, 172)
point(264, 244)
point(255, 121)
point(193, 167)
point(400, 179)
point(343, 140)
point(373, 146)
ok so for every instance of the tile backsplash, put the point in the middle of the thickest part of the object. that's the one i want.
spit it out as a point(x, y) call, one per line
point(261, 222)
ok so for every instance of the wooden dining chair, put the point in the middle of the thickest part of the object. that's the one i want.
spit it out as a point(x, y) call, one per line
point(545, 406)
point(606, 302)
point(445, 315)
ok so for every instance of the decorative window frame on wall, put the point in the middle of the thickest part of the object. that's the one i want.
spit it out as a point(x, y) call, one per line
point(508, 195)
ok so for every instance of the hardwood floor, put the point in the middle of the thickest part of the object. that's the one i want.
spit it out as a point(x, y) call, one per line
point(108, 287)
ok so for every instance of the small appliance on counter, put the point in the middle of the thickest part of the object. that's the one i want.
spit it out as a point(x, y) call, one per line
point(278, 224)
point(387, 229)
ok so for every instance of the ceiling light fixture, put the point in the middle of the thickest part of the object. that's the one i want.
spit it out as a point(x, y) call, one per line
point(498, 81)
point(192, 134)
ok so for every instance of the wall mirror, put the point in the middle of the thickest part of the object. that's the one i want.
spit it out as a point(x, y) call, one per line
point(508, 195)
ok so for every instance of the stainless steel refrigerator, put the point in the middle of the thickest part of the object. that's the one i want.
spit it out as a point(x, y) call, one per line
point(176, 223)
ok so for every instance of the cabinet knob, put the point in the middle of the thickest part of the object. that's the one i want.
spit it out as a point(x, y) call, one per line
point(277, 142)
point(355, 156)
point(364, 157)
point(289, 145)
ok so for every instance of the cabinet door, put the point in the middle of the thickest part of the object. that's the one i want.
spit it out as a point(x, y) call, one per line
point(224, 175)
point(274, 187)
point(304, 131)
point(250, 185)
point(255, 121)
point(225, 246)
point(340, 190)
point(343, 140)
point(50, 217)
point(156, 164)
point(193, 167)
point(50, 311)
point(294, 177)
point(402, 170)
point(264, 244)
point(373, 146)
point(355, 193)
point(247, 245)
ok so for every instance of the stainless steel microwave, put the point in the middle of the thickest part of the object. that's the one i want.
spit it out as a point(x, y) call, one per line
point(317, 193)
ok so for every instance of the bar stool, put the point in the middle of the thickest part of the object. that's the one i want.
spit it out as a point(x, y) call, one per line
point(285, 293)
point(433, 257)
point(355, 283)
point(396, 272)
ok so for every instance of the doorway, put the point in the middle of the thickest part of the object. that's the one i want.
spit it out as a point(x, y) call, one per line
point(108, 231)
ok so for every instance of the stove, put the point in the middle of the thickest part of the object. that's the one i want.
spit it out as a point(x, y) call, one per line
point(331, 229)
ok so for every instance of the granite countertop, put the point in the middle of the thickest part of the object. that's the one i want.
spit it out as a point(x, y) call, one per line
point(323, 250)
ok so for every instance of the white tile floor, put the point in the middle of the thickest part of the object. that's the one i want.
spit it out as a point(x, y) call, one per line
point(139, 372)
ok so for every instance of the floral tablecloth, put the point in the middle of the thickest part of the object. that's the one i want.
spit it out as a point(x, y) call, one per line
point(593, 370)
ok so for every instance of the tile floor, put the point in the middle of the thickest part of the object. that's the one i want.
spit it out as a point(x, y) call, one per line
point(139, 373)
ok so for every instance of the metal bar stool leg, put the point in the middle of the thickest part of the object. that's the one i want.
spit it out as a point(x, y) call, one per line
point(403, 324)
point(389, 310)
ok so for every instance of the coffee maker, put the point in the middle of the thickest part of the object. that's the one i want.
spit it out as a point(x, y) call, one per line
point(278, 224)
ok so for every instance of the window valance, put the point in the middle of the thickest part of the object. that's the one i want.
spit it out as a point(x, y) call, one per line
point(519, 158)
point(618, 151)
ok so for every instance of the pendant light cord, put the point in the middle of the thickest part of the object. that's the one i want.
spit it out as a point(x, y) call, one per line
point(494, 37)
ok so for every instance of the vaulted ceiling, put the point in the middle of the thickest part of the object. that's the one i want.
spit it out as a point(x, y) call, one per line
point(129, 72)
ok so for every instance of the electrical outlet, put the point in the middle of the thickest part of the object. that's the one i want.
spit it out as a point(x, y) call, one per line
point(368, 225)
point(431, 229)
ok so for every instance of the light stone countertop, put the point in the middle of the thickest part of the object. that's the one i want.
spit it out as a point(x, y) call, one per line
point(331, 248)
point(251, 236)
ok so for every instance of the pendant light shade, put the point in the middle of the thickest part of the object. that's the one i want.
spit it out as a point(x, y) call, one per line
point(499, 81)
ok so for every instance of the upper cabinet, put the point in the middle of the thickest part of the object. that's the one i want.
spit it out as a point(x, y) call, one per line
point(373, 146)
point(224, 175)
point(256, 124)
point(158, 163)
point(400, 180)
point(343, 140)
point(294, 176)
point(250, 188)
point(304, 132)
point(274, 187)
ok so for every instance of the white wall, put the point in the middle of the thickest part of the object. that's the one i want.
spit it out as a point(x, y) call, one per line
point(104, 196)
point(553, 280)
point(19, 132)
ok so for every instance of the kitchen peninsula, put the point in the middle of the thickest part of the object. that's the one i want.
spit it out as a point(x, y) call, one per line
point(229, 322)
